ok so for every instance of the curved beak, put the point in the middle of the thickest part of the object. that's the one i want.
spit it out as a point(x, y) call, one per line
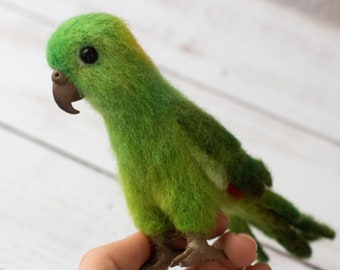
point(64, 92)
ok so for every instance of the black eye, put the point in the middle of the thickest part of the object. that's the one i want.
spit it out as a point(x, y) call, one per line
point(89, 55)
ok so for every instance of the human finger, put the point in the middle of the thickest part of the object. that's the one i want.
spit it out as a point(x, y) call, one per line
point(127, 254)
point(222, 223)
point(259, 266)
point(239, 248)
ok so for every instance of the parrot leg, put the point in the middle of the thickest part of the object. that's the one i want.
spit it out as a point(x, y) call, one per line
point(197, 251)
point(164, 251)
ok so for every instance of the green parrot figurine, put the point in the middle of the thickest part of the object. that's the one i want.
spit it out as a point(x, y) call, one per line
point(178, 166)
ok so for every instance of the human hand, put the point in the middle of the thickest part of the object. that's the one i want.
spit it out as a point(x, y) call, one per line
point(131, 252)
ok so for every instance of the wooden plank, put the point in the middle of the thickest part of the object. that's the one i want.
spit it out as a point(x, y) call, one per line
point(277, 67)
point(326, 11)
point(53, 210)
point(26, 95)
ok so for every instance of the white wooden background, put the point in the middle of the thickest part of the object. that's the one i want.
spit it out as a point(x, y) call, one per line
point(269, 70)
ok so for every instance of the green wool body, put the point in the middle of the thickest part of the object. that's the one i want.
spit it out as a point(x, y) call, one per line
point(178, 166)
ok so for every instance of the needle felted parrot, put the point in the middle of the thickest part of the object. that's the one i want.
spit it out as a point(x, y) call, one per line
point(178, 166)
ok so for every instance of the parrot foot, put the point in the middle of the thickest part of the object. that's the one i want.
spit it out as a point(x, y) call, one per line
point(197, 251)
point(163, 252)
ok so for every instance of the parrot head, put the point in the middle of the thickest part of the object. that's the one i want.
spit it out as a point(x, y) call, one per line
point(94, 56)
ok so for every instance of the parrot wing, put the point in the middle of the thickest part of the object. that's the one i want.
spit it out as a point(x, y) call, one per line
point(212, 142)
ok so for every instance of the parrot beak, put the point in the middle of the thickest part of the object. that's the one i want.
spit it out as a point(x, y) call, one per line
point(64, 92)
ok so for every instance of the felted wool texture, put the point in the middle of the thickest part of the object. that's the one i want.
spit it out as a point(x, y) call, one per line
point(279, 219)
point(175, 160)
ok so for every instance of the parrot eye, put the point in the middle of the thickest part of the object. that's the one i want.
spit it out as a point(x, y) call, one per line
point(89, 55)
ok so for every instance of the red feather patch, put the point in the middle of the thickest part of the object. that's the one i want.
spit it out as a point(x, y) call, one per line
point(235, 192)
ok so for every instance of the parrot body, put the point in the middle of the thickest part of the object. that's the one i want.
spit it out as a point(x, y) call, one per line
point(178, 166)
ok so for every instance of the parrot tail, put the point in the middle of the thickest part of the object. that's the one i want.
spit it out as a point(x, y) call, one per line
point(305, 224)
point(277, 218)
